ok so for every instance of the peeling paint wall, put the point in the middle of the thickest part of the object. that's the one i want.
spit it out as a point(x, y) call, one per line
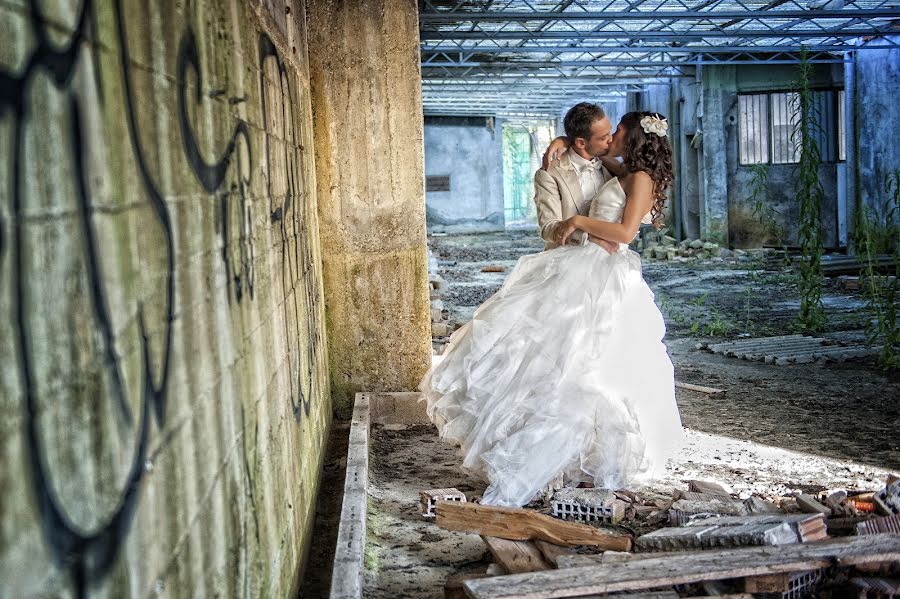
point(470, 152)
point(877, 92)
point(724, 210)
point(367, 103)
point(163, 384)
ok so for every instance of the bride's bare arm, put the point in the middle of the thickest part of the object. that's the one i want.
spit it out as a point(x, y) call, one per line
point(640, 200)
point(554, 151)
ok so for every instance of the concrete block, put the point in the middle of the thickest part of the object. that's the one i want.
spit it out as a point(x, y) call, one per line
point(673, 539)
point(588, 505)
point(439, 330)
point(428, 500)
point(682, 509)
point(755, 506)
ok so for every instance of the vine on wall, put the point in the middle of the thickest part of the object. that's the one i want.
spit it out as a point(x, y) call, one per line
point(810, 194)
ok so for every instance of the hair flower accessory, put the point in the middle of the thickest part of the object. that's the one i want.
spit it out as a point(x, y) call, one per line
point(655, 124)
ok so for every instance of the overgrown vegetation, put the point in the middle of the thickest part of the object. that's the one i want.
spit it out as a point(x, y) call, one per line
point(810, 194)
point(879, 235)
point(699, 318)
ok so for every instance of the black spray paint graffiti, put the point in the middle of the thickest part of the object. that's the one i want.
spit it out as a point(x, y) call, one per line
point(211, 176)
point(294, 225)
point(88, 555)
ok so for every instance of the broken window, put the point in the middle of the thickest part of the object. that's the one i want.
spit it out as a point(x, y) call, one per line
point(768, 123)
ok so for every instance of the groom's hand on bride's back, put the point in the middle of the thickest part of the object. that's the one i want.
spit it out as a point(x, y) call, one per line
point(554, 151)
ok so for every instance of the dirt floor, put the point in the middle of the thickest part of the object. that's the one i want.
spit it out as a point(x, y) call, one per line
point(775, 430)
point(845, 411)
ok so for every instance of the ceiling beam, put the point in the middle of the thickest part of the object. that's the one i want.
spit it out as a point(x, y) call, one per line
point(672, 35)
point(444, 17)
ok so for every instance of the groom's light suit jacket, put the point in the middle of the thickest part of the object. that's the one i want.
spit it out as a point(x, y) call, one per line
point(558, 196)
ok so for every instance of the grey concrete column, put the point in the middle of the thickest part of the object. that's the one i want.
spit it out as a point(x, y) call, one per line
point(368, 127)
point(718, 83)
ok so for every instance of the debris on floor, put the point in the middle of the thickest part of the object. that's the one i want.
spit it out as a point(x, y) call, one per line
point(788, 349)
point(715, 544)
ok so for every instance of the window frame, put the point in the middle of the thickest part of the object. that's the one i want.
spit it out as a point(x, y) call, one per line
point(835, 129)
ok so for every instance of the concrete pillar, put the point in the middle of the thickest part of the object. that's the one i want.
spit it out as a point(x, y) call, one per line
point(877, 84)
point(368, 126)
point(718, 89)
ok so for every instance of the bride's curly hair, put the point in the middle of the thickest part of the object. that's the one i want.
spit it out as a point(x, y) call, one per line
point(652, 154)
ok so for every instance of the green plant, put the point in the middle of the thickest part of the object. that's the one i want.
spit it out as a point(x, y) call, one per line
point(879, 234)
point(810, 194)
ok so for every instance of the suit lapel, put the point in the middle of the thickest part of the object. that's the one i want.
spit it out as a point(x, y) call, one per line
point(570, 178)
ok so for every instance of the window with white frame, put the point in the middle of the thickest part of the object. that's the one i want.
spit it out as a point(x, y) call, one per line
point(768, 122)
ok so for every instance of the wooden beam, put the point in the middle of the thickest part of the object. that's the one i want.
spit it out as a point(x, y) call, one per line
point(453, 588)
point(699, 388)
point(517, 524)
point(516, 556)
point(677, 568)
point(552, 552)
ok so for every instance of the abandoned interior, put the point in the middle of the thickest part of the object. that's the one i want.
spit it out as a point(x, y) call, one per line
point(235, 235)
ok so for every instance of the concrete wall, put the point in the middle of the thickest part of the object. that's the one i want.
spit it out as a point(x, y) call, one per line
point(717, 207)
point(877, 74)
point(367, 103)
point(747, 230)
point(163, 388)
point(470, 152)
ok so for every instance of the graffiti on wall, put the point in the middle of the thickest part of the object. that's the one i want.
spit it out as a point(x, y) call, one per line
point(88, 553)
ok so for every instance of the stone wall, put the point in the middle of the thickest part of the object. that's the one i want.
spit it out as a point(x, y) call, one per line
point(367, 103)
point(470, 152)
point(163, 386)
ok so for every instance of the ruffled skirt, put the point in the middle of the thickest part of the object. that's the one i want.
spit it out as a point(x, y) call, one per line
point(563, 370)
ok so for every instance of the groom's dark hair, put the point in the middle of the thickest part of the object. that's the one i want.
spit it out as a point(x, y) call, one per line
point(579, 119)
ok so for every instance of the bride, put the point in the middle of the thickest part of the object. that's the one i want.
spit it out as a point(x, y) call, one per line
point(563, 370)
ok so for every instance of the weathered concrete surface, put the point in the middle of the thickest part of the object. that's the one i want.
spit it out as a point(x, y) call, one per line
point(746, 229)
point(877, 89)
point(163, 386)
point(471, 154)
point(366, 95)
point(725, 210)
point(718, 100)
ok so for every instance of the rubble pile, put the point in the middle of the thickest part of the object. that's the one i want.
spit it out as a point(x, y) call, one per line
point(699, 541)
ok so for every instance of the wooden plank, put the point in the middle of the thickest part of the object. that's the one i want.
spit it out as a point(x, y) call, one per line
point(516, 556)
point(672, 569)
point(453, 588)
point(517, 524)
point(808, 504)
point(707, 486)
point(552, 552)
point(699, 388)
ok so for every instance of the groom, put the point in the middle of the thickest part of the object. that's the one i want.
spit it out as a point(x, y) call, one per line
point(567, 187)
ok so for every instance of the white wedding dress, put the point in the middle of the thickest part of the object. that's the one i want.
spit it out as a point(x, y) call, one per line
point(563, 370)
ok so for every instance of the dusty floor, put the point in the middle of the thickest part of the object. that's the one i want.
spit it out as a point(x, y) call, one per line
point(777, 429)
point(785, 406)
point(407, 556)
